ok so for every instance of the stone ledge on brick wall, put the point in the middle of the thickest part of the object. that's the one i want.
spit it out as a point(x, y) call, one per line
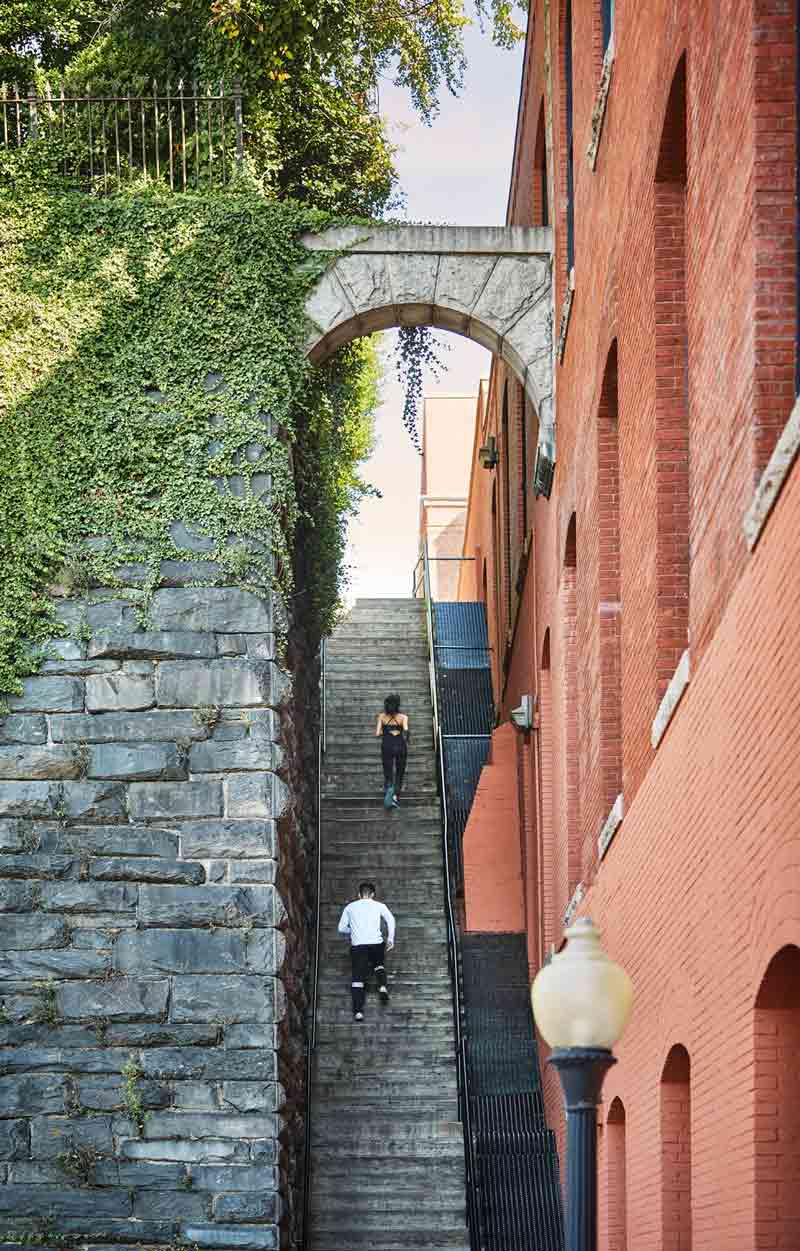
point(773, 478)
point(672, 697)
point(610, 826)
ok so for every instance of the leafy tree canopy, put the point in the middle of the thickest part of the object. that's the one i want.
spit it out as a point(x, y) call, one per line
point(309, 70)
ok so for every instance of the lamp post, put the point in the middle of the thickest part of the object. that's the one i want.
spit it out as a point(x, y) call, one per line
point(581, 1003)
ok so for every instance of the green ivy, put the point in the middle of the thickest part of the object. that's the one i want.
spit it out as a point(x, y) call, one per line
point(120, 317)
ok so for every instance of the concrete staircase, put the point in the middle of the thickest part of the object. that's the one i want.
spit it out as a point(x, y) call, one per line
point(386, 1143)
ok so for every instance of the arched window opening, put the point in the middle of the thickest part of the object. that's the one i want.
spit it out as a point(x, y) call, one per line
point(569, 614)
point(568, 116)
point(776, 1119)
point(676, 1151)
point(547, 889)
point(541, 205)
point(608, 492)
point(616, 1191)
point(672, 389)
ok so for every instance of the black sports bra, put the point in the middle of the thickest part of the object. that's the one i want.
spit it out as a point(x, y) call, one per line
point(392, 728)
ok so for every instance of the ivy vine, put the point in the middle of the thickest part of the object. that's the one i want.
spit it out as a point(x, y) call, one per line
point(150, 375)
point(417, 349)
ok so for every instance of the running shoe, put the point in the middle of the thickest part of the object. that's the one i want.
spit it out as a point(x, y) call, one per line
point(388, 797)
point(359, 1016)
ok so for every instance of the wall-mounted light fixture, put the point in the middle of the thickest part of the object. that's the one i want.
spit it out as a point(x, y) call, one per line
point(523, 717)
point(488, 455)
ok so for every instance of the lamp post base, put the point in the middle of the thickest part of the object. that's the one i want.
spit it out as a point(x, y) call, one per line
point(581, 1070)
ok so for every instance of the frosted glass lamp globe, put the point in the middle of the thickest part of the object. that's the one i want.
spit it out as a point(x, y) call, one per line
point(582, 998)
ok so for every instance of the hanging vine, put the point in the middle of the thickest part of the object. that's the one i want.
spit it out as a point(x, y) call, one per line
point(417, 349)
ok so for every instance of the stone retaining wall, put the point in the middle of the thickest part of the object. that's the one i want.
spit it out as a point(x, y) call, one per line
point(143, 824)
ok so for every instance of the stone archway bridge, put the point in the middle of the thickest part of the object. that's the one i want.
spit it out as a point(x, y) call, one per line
point(489, 283)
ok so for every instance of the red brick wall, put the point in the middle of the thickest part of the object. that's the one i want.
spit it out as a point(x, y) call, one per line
point(685, 282)
point(492, 864)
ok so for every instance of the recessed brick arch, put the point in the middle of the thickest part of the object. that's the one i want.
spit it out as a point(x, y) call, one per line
point(488, 283)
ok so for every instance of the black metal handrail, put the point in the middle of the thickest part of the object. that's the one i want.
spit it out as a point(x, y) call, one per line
point(471, 1175)
point(311, 1038)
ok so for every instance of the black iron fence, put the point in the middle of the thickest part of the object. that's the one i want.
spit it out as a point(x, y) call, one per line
point(184, 136)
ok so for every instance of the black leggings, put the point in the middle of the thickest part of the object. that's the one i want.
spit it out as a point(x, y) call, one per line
point(366, 958)
point(394, 754)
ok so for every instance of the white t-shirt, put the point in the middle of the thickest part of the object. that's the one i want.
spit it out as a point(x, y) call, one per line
point(362, 918)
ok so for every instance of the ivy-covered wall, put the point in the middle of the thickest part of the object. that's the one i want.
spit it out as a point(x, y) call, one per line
point(165, 454)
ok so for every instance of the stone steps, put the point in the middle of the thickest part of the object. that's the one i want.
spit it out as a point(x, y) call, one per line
point(387, 1147)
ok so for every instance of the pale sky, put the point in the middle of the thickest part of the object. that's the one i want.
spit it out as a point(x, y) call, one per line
point(457, 172)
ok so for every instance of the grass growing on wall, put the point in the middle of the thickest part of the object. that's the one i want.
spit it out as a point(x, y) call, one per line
point(117, 316)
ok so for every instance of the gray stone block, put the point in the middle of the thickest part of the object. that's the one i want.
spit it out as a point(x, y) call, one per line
point(227, 997)
point(119, 998)
point(247, 1237)
point(85, 801)
point(231, 644)
point(23, 933)
point(79, 668)
point(253, 871)
point(180, 951)
point(141, 727)
point(153, 801)
point(249, 1035)
point(108, 1094)
point(255, 795)
point(192, 540)
point(196, 1097)
point(140, 762)
point(227, 610)
point(22, 1172)
point(33, 762)
point(45, 964)
point(250, 1096)
point(265, 951)
point(229, 682)
point(140, 869)
point(12, 836)
point(115, 692)
point(47, 868)
point(261, 646)
point(110, 614)
point(31, 1093)
point(144, 1176)
point(93, 940)
point(25, 799)
point(182, 1206)
point(210, 1064)
point(48, 694)
point(18, 727)
point(59, 1201)
point(13, 1140)
point(65, 1050)
point(209, 1125)
point(114, 840)
point(162, 1035)
point(66, 649)
point(155, 644)
point(238, 1178)
point(210, 905)
point(204, 840)
point(86, 897)
point(187, 572)
point(204, 1152)
point(256, 751)
point(254, 1207)
point(138, 666)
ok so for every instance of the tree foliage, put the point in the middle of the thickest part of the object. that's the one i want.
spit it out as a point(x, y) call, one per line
point(309, 70)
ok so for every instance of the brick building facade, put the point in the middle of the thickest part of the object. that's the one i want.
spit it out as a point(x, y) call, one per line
point(652, 602)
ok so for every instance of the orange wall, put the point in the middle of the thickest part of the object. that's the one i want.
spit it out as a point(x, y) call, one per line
point(492, 867)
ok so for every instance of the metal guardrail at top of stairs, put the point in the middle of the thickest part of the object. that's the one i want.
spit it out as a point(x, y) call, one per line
point(470, 1168)
point(311, 1025)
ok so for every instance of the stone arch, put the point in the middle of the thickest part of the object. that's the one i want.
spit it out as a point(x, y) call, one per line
point(488, 283)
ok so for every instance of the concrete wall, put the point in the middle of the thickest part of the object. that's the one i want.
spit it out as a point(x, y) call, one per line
point(447, 434)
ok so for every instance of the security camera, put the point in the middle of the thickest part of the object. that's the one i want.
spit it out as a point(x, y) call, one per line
point(523, 716)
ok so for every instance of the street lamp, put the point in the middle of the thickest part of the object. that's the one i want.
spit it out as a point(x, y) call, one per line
point(581, 1003)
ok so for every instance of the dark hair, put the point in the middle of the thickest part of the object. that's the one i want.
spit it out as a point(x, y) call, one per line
point(366, 888)
point(391, 705)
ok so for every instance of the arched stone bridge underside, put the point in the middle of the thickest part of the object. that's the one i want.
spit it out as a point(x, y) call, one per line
point(489, 283)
